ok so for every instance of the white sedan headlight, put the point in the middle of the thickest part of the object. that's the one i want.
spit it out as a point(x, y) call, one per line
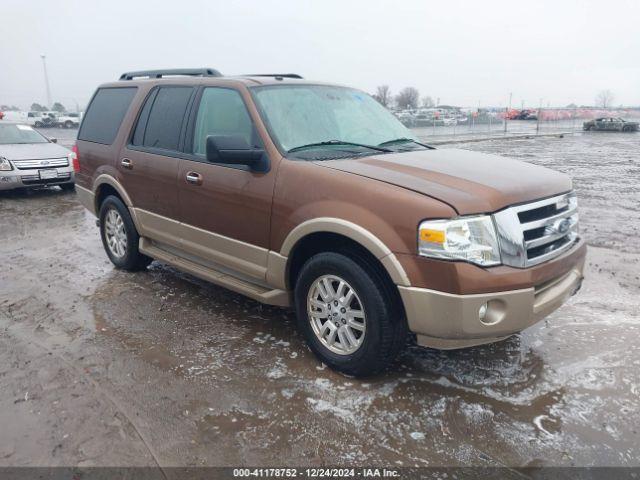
point(5, 165)
point(472, 239)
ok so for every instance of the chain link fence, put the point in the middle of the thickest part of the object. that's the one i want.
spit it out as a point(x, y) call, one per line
point(460, 124)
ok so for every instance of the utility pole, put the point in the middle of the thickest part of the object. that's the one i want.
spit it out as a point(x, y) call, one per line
point(538, 121)
point(507, 112)
point(46, 80)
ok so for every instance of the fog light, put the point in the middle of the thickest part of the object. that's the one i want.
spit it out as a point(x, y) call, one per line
point(482, 311)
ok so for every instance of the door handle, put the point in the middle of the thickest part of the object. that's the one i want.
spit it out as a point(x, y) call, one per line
point(194, 178)
point(126, 163)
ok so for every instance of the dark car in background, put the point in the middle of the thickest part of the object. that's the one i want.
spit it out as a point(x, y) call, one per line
point(614, 124)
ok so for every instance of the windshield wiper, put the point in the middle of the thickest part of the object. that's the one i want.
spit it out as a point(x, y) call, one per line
point(338, 142)
point(403, 140)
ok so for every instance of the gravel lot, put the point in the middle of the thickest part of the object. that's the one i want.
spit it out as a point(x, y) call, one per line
point(102, 367)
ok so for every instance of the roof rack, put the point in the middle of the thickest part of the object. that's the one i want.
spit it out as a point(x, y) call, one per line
point(191, 72)
point(276, 75)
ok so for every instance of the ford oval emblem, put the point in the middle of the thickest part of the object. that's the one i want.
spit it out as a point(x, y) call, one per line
point(562, 226)
point(44, 162)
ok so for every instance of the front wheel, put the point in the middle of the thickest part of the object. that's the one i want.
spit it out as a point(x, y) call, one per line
point(348, 314)
point(119, 236)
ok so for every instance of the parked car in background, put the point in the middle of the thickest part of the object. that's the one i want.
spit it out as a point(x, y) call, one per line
point(314, 196)
point(29, 159)
point(615, 124)
point(45, 119)
point(69, 120)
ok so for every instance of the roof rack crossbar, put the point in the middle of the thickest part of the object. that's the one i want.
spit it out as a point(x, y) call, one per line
point(191, 72)
point(277, 75)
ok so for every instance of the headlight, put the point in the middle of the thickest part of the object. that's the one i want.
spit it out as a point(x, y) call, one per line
point(472, 239)
point(5, 165)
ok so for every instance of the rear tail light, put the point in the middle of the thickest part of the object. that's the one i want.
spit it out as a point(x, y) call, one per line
point(75, 159)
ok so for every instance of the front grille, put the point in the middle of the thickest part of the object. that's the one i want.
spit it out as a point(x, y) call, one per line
point(36, 180)
point(43, 163)
point(539, 231)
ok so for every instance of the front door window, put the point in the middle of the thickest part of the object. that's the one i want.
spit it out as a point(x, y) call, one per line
point(221, 112)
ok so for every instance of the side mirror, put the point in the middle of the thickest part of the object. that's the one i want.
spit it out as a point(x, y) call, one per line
point(53, 140)
point(234, 149)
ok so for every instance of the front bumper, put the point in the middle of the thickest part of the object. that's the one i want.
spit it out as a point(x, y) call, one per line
point(12, 179)
point(448, 321)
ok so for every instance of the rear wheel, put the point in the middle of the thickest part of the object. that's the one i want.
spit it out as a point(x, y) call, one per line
point(119, 236)
point(348, 314)
point(68, 124)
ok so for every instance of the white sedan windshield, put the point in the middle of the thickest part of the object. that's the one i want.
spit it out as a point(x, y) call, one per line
point(300, 115)
point(12, 133)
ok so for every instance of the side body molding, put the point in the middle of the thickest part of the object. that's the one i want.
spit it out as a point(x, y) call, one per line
point(350, 230)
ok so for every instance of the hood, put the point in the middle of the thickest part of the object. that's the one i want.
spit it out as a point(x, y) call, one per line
point(470, 182)
point(32, 151)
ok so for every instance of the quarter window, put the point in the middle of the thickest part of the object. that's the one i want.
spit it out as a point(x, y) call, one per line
point(221, 112)
point(105, 113)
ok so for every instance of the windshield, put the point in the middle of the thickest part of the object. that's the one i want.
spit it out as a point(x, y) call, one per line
point(12, 133)
point(321, 117)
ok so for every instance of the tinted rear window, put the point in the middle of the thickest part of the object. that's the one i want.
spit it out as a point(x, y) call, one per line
point(105, 113)
point(166, 117)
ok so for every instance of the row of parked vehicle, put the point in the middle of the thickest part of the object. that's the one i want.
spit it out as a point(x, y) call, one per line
point(427, 117)
point(48, 119)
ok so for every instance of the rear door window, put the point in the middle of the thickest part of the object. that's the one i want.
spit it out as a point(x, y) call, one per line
point(105, 114)
point(165, 118)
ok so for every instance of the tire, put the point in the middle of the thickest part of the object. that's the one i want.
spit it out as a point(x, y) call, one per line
point(67, 187)
point(68, 124)
point(38, 125)
point(125, 255)
point(385, 330)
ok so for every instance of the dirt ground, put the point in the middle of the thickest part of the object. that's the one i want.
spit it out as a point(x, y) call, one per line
point(102, 367)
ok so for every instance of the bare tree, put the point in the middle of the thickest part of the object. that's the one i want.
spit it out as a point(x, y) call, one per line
point(604, 98)
point(383, 95)
point(58, 107)
point(36, 107)
point(408, 98)
point(427, 102)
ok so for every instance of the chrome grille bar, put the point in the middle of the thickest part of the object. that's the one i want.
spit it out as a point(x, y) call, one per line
point(552, 236)
point(42, 163)
point(553, 230)
point(545, 221)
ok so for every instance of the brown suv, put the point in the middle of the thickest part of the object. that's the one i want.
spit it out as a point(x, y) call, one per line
point(313, 195)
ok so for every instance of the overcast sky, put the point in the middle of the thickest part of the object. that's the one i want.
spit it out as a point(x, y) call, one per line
point(462, 52)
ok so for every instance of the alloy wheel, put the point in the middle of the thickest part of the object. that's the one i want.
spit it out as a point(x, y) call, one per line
point(115, 233)
point(336, 314)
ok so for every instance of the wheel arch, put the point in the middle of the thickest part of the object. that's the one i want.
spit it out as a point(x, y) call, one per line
point(331, 234)
point(105, 185)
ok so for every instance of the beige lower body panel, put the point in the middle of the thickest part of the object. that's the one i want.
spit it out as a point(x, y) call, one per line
point(252, 290)
point(233, 254)
point(230, 263)
point(448, 321)
point(87, 198)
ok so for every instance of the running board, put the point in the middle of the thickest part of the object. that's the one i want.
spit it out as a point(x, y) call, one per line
point(275, 297)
